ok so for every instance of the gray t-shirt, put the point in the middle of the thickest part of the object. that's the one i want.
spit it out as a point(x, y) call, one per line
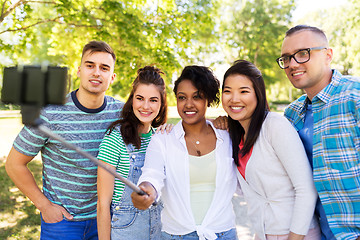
point(69, 179)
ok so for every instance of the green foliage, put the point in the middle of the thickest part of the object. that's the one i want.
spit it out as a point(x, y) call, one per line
point(342, 26)
point(254, 32)
point(141, 33)
point(169, 34)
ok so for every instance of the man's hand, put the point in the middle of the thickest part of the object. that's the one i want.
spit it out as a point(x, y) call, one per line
point(221, 122)
point(143, 202)
point(165, 127)
point(54, 213)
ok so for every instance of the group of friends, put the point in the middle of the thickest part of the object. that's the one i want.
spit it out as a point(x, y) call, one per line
point(299, 173)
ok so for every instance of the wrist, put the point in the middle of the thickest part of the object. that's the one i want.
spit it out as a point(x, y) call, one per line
point(43, 204)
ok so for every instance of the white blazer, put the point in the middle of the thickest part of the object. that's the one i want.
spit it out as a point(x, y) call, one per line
point(167, 169)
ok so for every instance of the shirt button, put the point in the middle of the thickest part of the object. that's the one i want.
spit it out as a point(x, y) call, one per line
point(117, 208)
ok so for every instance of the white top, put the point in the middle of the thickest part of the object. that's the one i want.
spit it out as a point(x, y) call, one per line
point(279, 187)
point(202, 184)
point(167, 169)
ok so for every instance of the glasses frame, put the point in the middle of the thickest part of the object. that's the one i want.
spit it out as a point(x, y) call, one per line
point(293, 56)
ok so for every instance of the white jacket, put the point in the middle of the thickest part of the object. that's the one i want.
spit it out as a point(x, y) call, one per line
point(279, 187)
point(167, 169)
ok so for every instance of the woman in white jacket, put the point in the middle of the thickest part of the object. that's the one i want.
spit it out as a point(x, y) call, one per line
point(273, 170)
point(192, 168)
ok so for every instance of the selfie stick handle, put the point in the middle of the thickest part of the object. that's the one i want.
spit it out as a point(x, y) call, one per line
point(99, 163)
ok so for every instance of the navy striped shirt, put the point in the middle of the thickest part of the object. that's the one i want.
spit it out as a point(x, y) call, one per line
point(69, 179)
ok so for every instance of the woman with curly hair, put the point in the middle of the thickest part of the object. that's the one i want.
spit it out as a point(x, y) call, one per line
point(191, 168)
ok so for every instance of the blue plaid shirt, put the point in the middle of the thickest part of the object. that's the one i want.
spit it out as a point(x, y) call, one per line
point(336, 151)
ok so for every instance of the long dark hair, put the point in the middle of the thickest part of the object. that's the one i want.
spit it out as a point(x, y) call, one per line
point(248, 69)
point(128, 122)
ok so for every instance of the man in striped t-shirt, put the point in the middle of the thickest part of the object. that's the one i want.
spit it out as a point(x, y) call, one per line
point(327, 119)
point(68, 200)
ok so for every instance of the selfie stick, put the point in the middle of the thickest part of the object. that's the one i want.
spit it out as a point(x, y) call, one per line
point(48, 85)
point(99, 163)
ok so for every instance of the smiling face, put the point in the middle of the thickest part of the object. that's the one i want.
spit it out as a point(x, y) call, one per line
point(315, 74)
point(239, 99)
point(146, 103)
point(191, 105)
point(96, 72)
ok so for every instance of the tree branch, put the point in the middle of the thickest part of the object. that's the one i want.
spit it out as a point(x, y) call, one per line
point(4, 14)
point(31, 25)
point(44, 2)
point(3, 8)
point(46, 21)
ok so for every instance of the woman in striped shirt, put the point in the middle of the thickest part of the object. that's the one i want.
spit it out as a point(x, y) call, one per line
point(123, 148)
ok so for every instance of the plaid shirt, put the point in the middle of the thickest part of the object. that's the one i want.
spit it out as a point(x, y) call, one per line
point(336, 151)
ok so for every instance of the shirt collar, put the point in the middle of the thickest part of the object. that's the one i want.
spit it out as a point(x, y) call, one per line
point(325, 94)
point(180, 133)
point(300, 105)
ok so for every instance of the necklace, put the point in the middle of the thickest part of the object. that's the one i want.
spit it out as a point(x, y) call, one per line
point(197, 150)
point(196, 143)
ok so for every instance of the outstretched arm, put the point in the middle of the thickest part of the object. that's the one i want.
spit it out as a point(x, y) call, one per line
point(16, 168)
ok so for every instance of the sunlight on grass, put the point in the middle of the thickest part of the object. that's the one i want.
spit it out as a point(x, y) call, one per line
point(19, 219)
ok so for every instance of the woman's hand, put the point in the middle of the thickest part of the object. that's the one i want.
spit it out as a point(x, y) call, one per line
point(143, 202)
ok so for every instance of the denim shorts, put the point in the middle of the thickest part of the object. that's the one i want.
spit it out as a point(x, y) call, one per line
point(69, 230)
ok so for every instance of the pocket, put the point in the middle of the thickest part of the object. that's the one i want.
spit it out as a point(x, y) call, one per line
point(338, 147)
point(46, 223)
point(123, 219)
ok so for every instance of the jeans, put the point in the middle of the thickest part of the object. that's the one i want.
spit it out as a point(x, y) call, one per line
point(131, 223)
point(69, 230)
point(128, 222)
point(228, 235)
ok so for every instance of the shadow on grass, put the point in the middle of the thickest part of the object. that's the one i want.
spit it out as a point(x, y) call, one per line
point(19, 218)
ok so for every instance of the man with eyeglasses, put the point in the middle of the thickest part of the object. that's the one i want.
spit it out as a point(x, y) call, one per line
point(327, 119)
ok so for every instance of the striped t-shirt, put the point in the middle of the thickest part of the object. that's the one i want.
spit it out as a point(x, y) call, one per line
point(69, 179)
point(113, 151)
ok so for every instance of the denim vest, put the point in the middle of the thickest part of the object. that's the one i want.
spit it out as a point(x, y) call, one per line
point(128, 222)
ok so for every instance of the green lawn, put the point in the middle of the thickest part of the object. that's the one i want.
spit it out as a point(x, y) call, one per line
point(19, 219)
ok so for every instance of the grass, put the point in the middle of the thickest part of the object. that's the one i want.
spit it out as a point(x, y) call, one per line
point(173, 120)
point(19, 218)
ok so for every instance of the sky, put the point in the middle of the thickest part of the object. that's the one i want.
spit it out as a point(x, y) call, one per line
point(304, 6)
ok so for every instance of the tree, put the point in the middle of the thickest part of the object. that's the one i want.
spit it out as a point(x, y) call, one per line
point(341, 25)
point(254, 32)
point(141, 33)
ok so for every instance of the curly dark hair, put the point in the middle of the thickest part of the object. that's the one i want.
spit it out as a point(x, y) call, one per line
point(204, 80)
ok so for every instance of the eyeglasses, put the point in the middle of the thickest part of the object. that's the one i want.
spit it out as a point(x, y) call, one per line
point(301, 56)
